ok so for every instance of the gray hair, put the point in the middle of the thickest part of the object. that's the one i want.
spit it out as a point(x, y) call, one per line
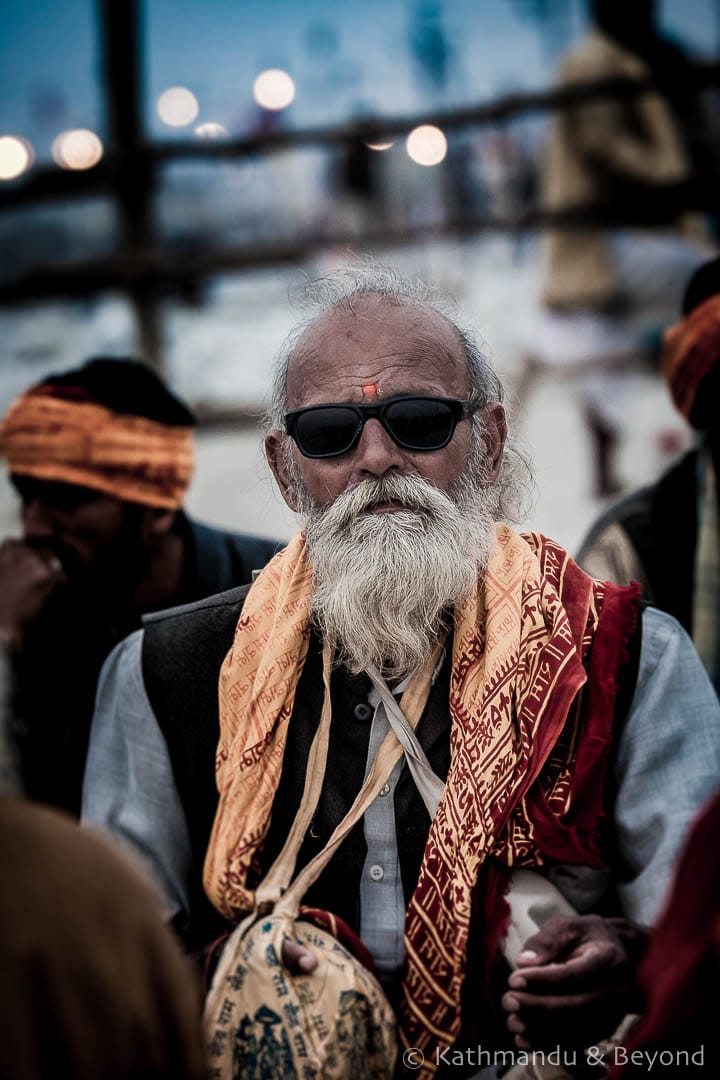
point(342, 290)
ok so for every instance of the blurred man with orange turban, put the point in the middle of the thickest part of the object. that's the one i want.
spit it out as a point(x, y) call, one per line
point(101, 457)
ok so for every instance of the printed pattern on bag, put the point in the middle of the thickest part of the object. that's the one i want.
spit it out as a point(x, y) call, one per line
point(332, 1023)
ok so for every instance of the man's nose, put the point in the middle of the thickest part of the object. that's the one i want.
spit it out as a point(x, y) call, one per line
point(376, 453)
point(37, 519)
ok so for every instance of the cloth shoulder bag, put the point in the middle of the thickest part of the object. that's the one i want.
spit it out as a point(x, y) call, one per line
point(261, 1020)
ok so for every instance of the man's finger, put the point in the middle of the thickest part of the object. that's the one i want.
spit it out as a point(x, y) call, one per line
point(515, 1024)
point(585, 967)
point(531, 1007)
point(557, 936)
point(522, 1043)
point(297, 958)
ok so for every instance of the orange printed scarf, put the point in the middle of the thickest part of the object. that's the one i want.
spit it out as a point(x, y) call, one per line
point(520, 640)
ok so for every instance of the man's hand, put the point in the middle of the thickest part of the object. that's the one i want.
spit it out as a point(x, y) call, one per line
point(574, 982)
point(28, 575)
point(297, 958)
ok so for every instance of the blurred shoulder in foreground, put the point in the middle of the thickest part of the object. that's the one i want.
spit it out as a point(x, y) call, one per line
point(95, 985)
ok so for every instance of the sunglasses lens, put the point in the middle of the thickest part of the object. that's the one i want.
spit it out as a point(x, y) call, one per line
point(325, 432)
point(416, 423)
point(421, 423)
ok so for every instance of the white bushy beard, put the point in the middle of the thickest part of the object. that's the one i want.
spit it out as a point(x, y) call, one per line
point(385, 584)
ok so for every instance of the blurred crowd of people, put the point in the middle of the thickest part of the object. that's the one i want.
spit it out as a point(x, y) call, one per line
point(630, 166)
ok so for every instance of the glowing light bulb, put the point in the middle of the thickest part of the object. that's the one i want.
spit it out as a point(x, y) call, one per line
point(210, 130)
point(16, 156)
point(77, 149)
point(274, 89)
point(380, 145)
point(177, 106)
point(426, 145)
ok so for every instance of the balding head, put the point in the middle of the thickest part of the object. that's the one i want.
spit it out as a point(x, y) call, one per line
point(367, 344)
point(358, 307)
point(346, 290)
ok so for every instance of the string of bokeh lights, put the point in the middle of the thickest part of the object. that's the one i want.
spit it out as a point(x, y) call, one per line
point(178, 107)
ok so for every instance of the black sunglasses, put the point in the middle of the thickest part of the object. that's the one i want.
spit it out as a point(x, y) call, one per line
point(412, 421)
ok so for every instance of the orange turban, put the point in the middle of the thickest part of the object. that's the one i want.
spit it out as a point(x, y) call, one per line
point(47, 436)
point(691, 348)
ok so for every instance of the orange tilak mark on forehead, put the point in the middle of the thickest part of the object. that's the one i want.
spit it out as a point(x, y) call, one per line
point(370, 390)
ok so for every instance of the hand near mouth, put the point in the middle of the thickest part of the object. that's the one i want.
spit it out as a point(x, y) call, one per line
point(28, 575)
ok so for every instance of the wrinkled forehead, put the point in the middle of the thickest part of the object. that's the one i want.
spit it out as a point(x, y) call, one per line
point(385, 343)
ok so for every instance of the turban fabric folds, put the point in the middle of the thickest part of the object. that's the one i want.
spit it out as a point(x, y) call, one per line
point(691, 349)
point(50, 437)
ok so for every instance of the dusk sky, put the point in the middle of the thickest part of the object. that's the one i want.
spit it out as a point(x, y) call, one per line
point(346, 59)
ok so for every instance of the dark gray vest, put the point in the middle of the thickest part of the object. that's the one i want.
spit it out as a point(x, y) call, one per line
point(182, 654)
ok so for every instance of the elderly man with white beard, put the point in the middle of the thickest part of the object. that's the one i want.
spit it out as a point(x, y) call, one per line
point(571, 732)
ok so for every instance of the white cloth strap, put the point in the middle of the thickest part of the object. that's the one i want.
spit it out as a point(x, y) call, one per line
point(427, 782)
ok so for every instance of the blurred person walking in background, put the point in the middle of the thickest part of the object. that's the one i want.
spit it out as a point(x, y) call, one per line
point(101, 457)
point(625, 164)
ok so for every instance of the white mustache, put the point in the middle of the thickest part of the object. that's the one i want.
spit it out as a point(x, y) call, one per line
point(412, 492)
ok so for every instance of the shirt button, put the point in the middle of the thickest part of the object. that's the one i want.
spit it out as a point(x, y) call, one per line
point(377, 873)
point(385, 790)
point(362, 711)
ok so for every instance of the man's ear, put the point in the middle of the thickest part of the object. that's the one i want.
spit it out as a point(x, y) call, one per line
point(495, 432)
point(276, 451)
